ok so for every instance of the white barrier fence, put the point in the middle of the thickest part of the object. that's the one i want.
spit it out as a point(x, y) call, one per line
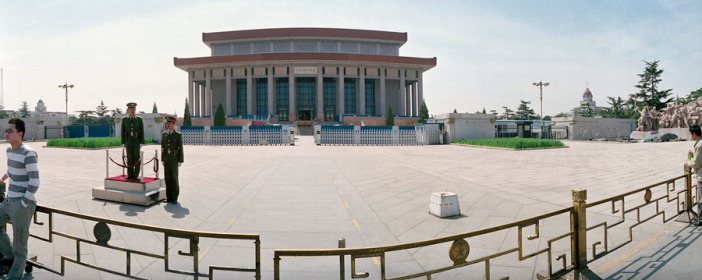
point(238, 135)
point(420, 134)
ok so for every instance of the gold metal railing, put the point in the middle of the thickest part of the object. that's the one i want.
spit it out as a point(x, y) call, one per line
point(558, 264)
point(626, 211)
point(102, 234)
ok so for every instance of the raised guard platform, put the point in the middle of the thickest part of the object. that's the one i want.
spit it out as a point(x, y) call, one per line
point(145, 192)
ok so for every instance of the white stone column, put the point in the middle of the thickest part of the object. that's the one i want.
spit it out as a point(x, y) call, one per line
point(291, 94)
point(408, 98)
point(340, 91)
point(383, 106)
point(249, 92)
point(191, 104)
point(208, 93)
point(319, 96)
point(196, 99)
point(415, 100)
point(228, 92)
point(403, 95)
point(362, 91)
point(271, 97)
point(420, 85)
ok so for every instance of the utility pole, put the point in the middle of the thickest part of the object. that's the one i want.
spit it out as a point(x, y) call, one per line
point(66, 86)
point(541, 86)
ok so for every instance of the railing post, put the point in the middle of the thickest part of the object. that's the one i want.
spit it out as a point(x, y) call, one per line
point(579, 227)
point(276, 267)
point(342, 244)
point(688, 188)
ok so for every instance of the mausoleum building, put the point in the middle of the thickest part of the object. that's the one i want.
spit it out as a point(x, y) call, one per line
point(305, 74)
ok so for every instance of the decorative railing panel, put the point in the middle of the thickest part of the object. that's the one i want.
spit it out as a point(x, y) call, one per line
point(421, 134)
point(102, 233)
point(237, 135)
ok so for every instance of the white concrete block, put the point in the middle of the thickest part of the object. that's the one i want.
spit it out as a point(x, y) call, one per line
point(444, 204)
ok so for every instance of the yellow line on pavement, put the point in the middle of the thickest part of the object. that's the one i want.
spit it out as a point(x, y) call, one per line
point(339, 190)
point(626, 255)
point(355, 223)
point(346, 204)
point(231, 222)
point(204, 253)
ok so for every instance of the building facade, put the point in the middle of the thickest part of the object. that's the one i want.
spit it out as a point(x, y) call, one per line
point(305, 74)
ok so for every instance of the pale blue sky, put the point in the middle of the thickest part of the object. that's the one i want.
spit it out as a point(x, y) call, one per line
point(489, 52)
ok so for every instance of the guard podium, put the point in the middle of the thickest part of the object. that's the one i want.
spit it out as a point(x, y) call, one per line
point(144, 191)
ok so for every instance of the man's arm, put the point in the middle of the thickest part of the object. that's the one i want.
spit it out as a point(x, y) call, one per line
point(180, 148)
point(141, 131)
point(30, 162)
point(122, 131)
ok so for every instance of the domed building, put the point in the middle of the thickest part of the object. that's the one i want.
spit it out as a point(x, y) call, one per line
point(587, 105)
point(305, 74)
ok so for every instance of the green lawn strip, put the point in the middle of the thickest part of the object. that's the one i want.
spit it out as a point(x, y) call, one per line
point(513, 143)
point(90, 142)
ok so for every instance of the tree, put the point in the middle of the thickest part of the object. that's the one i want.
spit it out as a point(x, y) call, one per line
point(423, 113)
point(155, 109)
point(507, 113)
point(648, 94)
point(3, 114)
point(562, 115)
point(616, 109)
point(24, 110)
point(187, 120)
point(455, 112)
point(694, 95)
point(219, 119)
point(494, 112)
point(389, 117)
point(585, 110)
point(523, 111)
point(483, 110)
point(101, 110)
point(116, 111)
point(84, 118)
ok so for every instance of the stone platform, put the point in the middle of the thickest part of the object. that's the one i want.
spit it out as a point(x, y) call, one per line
point(140, 192)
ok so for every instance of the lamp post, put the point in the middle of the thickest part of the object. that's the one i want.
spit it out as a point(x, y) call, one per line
point(66, 86)
point(541, 86)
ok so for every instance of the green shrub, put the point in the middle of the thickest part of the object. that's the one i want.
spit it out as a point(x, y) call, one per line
point(514, 143)
point(94, 142)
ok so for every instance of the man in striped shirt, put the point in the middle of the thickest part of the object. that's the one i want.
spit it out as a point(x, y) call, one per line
point(19, 206)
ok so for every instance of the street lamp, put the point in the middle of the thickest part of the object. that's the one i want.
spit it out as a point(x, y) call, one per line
point(541, 86)
point(66, 86)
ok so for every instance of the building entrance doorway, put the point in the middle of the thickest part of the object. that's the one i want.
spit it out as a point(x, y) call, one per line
point(304, 115)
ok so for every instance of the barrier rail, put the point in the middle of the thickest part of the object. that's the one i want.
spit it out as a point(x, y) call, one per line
point(420, 134)
point(237, 135)
point(548, 245)
point(102, 234)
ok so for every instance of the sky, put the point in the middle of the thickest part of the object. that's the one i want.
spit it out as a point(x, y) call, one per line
point(488, 52)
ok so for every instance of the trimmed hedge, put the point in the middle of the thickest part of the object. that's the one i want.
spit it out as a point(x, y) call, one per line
point(90, 142)
point(514, 143)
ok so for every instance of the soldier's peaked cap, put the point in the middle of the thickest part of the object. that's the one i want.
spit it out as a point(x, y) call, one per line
point(170, 119)
point(131, 105)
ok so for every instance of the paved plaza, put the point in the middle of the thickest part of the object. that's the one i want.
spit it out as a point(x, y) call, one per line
point(308, 196)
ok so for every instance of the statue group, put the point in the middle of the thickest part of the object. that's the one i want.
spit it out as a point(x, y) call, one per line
point(674, 115)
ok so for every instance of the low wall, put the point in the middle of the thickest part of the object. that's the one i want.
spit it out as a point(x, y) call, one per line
point(465, 125)
point(581, 128)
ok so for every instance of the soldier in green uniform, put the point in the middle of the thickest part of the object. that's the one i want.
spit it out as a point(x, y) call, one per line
point(132, 139)
point(172, 158)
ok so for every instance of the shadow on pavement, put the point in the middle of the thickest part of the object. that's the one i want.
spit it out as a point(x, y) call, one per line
point(177, 210)
point(644, 267)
